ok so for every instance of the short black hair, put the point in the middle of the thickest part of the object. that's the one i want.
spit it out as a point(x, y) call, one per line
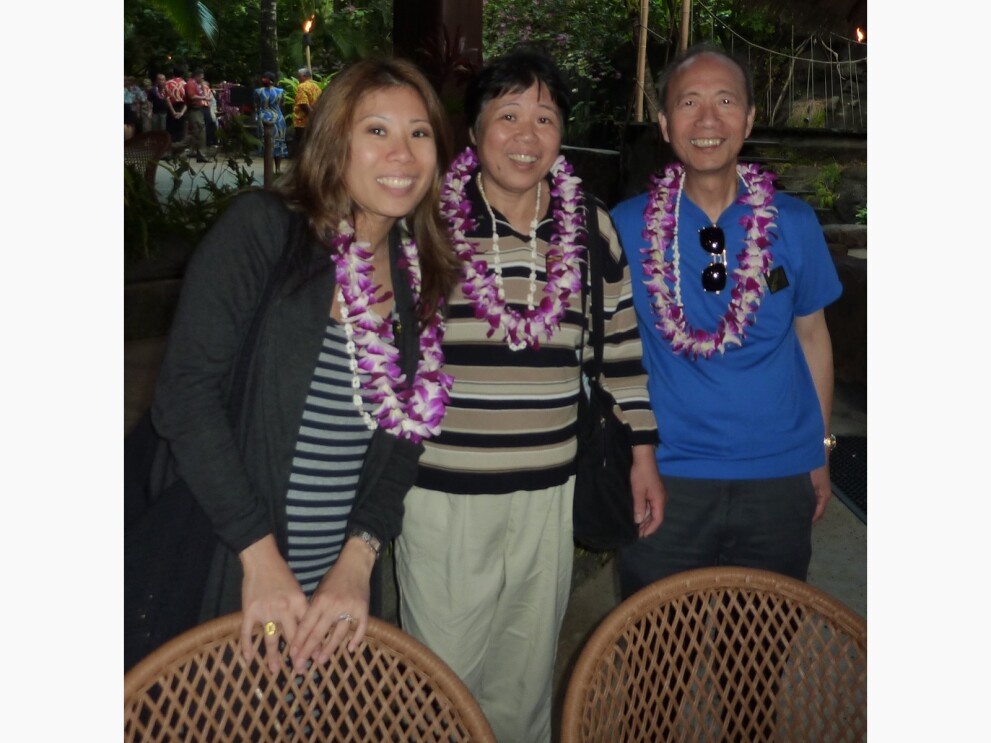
point(694, 51)
point(513, 73)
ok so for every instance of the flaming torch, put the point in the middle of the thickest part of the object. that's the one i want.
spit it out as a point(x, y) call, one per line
point(306, 38)
point(860, 36)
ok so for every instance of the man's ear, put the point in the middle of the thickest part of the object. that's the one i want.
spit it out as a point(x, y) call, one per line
point(471, 136)
point(750, 120)
point(662, 122)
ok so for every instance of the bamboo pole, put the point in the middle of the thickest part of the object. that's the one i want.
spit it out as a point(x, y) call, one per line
point(641, 58)
point(686, 22)
point(788, 81)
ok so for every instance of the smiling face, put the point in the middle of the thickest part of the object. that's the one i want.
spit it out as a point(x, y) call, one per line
point(518, 138)
point(393, 157)
point(706, 117)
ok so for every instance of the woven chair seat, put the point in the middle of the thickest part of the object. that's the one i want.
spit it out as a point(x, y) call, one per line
point(722, 654)
point(198, 687)
point(144, 150)
point(146, 146)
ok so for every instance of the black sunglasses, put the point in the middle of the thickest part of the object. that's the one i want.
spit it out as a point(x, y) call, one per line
point(714, 241)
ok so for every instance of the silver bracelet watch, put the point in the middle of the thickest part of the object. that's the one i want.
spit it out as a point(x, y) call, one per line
point(372, 541)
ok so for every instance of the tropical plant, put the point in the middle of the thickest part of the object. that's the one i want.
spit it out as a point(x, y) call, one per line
point(449, 64)
point(191, 18)
point(185, 212)
point(583, 36)
point(360, 29)
point(825, 183)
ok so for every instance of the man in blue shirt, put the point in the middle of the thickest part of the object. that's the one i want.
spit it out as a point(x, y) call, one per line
point(733, 281)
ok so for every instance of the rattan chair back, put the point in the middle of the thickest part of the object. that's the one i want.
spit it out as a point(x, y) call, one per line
point(197, 687)
point(721, 654)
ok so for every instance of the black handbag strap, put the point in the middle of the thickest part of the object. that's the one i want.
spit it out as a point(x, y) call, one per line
point(592, 281)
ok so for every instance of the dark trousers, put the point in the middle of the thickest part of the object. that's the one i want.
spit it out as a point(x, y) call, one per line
point(298, 137)
point(764, 524)
point(176, 128)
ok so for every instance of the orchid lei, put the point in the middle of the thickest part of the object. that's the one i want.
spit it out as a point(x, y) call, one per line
point(523, 330)
point(414, 411)
point(661, 230)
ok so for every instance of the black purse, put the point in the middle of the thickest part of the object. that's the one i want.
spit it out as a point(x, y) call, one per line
point(169, 540)
point(603, 505)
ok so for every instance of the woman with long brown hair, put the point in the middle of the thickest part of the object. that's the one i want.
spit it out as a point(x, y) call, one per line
point(305, 483)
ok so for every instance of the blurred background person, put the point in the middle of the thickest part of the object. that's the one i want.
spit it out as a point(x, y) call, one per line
point(306, 95)
point(269, 99)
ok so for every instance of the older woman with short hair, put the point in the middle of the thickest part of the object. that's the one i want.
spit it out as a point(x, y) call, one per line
point(484, 560)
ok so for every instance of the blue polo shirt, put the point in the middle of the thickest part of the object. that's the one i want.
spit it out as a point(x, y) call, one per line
point(753, 411)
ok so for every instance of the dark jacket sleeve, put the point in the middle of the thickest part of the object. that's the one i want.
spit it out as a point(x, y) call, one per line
point(388, 473)
point(221, 291)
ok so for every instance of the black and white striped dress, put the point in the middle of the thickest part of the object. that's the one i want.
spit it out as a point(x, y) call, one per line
point(330, 449)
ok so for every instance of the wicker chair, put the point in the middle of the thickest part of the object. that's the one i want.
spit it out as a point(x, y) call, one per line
point(721, 654)
point(145, 150)
point(197, 687)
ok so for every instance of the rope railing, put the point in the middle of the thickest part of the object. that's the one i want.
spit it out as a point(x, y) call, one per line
point(838, 72)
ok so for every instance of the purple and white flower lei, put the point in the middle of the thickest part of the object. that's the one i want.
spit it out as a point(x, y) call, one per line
point(562, 260)
point(414, 411)
point(661, 230)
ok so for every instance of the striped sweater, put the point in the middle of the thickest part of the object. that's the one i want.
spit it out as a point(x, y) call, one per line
point(512, 418)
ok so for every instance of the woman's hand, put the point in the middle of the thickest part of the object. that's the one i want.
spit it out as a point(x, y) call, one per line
point(649, 496)
point(340, 600)
point(270, 596)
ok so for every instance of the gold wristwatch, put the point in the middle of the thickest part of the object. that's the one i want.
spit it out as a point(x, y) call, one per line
point(829, 442)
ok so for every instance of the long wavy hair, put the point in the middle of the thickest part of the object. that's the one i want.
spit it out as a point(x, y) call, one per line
point(316, 185)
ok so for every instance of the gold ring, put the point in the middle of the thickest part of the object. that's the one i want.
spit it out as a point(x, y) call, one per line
point(269, 628)
point(345, 617)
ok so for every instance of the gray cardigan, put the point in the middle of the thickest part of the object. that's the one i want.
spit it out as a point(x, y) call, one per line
point(239, 470)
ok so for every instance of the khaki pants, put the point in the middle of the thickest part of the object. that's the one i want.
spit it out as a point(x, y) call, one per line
point(484, 582)
point(196, 131)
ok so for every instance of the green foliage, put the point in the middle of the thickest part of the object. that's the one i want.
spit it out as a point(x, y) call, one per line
point(861, 215)
point(358, 30)
point(149, 220)
point(807, 114)
point(152, 42)
point(238, 138)
point(191, 18)
point(825, 183)
point(718, 20)
point(586, 37)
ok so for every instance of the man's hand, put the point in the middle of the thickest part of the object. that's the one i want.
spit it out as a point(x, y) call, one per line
point(648, 490)
point(824, 491)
